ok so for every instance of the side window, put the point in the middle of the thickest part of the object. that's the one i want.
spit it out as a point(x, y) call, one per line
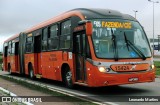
point(53, 38)
point(29, 43)
point(9, 48)
point(53, 30)
point(44, 39)
point(5, 46)
point(13, 48)
point(29, 39)
point(66, 27)
point(65, 35)
point(78, 46)
point(45, 34)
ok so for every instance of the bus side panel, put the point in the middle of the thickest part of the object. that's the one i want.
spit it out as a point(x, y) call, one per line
point(5, 54)
point(57, 65)
point(59, 58)
point(38, 63)
point(5, 63)
point(52, 63)
point(12, 63)
point(47, 60)
point(35, 63)
point(90, 74)
point(8, 62)
point(29, 58)
point(34, 60)
point(18, 64)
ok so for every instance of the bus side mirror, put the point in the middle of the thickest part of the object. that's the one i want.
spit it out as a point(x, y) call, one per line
point(88, 28)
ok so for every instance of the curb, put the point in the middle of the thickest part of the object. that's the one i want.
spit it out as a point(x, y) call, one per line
point(65, 92)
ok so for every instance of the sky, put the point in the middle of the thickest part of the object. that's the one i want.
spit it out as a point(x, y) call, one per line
point(19, 15)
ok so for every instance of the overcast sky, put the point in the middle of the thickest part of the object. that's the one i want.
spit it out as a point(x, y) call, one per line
point(19, 15)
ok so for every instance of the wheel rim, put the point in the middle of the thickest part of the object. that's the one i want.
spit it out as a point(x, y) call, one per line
point(10, 70)
point(31, 73)
point(69, 78)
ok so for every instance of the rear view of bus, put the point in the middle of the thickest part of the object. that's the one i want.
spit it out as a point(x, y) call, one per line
point(120, 51)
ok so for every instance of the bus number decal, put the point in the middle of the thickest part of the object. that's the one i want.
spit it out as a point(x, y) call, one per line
point(120, 68)
point(97, 23)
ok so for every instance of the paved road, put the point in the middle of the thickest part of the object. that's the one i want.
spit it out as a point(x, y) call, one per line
point(112, 94)
point(125, 92)
point(20, 90)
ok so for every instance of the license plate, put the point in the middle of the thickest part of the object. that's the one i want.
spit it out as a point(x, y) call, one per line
point(133, 79)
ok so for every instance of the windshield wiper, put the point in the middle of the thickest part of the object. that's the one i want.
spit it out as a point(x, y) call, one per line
point(114, 46)
point(126, 41)
point(129, 43)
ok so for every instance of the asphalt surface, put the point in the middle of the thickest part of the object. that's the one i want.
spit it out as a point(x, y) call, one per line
point(21, 91)
point(114, 94)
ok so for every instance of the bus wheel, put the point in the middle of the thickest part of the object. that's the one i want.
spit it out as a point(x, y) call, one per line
point(31, 73)
point(68, 79)
point(9, 69)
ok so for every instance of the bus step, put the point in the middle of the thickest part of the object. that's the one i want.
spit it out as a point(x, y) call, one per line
point(38, 76)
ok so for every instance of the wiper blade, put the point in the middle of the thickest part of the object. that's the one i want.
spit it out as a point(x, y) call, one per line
point(139, 52)
point(129, 43)
point(126, 41)
point(114, 46)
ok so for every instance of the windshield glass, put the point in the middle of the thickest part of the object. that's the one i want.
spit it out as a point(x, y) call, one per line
point(119, 39)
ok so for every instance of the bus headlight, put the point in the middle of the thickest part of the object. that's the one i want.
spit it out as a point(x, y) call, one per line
point(104, 69)
point(152, 66)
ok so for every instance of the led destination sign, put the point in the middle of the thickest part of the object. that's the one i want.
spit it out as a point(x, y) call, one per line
point(112, 24)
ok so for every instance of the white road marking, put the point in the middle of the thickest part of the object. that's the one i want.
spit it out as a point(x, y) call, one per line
point(12, 94)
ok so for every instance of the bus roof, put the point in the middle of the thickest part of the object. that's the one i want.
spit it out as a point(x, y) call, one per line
point(97, 13)
point(83, 13)
point(12, 37)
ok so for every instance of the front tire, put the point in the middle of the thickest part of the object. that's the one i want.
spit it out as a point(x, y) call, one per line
point(68, 79)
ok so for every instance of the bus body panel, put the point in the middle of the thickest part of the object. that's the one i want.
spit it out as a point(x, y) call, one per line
point(51, 64)
point(29, 59)
point(97, 79)
point(5, 63)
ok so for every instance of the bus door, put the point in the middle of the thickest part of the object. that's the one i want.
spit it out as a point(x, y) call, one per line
point(5, 58)
point(37, 50)
point(80, 59)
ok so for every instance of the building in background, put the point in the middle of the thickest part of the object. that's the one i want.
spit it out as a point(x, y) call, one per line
point(156, 45)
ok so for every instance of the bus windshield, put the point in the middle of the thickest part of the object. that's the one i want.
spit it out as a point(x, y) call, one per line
point(119, 39)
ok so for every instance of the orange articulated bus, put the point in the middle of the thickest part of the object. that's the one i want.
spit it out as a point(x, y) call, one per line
point(90, 47)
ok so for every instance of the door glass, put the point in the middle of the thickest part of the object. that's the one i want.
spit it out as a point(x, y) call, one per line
point(78, 46)
point(84, 45)
point(80, 49)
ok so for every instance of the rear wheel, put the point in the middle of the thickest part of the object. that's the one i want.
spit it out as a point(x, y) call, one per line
point(31, 73)
point(9, 69)
point(68, 79)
